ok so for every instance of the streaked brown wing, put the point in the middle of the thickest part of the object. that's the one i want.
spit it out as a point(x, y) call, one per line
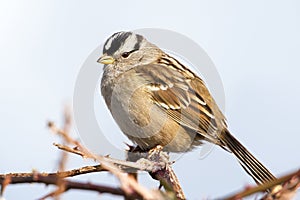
point(182, 98)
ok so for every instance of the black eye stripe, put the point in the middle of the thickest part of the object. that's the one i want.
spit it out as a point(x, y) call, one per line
point(126, 54)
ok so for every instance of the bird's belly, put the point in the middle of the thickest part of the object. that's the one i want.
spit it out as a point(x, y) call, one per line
point(143, 122)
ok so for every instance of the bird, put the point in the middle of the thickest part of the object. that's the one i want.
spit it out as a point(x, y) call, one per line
point(157, 100)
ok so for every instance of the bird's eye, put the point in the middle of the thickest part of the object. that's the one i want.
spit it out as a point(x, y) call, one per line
point(125, 54)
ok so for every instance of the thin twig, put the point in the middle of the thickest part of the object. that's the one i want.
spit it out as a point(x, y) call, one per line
point(15, 178)
point(128, 184)
point(141, 164)
point(261, 188)
point(53, 178)
point(63, 157)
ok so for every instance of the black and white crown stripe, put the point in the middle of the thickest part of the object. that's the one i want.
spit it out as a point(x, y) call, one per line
point(122, 42)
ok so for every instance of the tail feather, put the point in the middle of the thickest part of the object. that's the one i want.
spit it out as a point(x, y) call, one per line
point(250, 164)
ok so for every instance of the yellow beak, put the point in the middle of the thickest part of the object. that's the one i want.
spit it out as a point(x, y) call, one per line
point(105, 59)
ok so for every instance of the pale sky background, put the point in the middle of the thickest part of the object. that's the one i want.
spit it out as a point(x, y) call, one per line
point(254, 45)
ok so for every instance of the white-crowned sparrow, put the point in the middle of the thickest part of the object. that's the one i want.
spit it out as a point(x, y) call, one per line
point(156, 100)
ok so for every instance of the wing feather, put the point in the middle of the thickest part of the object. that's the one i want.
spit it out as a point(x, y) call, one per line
point(181, 97)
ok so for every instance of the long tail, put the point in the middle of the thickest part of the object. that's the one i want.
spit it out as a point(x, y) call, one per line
point(250, 164)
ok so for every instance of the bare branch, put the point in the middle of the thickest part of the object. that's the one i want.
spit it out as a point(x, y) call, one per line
point(278, 186)
point(155, 161)
point(54, 178)
point(128, 184)
point(15, 178)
